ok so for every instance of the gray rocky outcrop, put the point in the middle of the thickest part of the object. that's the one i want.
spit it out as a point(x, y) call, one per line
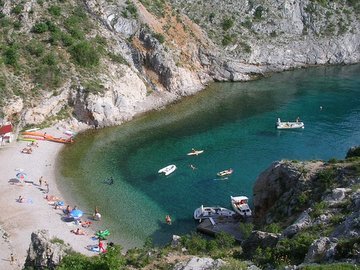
point(303, 222)
point(44, 253)
point(322, 250)
point(200, 264)
point(280, 186)
point(259, 239)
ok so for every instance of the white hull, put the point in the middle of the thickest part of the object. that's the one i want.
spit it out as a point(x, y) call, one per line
point(168, 169)
point(240, 205)
point(195, 153)
point(210, 212)
point(289, 125)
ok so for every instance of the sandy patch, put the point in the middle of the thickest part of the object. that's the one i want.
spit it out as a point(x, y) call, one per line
point(19, 220)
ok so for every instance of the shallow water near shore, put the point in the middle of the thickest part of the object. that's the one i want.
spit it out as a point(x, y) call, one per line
point(234, 123)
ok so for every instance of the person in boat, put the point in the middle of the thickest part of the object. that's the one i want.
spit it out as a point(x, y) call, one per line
point(168, 219)
point(298, 119)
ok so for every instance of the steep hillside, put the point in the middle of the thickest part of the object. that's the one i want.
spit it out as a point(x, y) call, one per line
point(100, 63)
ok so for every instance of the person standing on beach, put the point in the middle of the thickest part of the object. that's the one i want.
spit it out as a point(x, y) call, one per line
point(40, 181)
point(47, 187)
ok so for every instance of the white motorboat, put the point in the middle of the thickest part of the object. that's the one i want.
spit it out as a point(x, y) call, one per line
point(289, 125)
point(225, 172)
point(168, 169)
point(195, 152)
point(210, 212)
point(240, 205)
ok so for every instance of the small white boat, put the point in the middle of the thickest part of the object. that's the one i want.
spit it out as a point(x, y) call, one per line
point(240, 205)
point(210, 212)
point(225, 172)
point(168, 169)
point(195, 152)
point(289, 125)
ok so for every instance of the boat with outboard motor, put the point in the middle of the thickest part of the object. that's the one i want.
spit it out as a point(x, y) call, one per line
point(225, 172)
point(168, 169)
point(289, 125)
point(212, 211)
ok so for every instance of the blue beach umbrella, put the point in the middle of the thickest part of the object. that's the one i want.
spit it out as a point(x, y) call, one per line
point(76, 213)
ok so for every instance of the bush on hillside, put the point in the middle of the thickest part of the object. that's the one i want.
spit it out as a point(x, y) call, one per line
point(85, 54)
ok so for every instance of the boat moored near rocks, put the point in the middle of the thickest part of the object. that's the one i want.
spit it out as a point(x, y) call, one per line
point(209, 212)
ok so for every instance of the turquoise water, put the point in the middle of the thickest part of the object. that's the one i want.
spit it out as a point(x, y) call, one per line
point(234, 123)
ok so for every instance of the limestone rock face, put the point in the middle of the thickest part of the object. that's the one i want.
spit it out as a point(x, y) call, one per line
point(50, 105)
point(42, 253)
point(279, 187)
point(303, 222)
point(200, 264)
point(13, 106)
point(321, 250)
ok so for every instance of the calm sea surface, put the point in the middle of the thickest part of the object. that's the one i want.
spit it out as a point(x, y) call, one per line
point(234, 123)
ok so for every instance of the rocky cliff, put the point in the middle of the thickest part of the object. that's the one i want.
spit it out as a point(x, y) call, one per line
point(308, 212)
point(103, 62)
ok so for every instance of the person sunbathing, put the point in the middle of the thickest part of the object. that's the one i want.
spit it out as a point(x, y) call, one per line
point(78, 232)
point(26, 150)
point(52, 198)
point(86, 224)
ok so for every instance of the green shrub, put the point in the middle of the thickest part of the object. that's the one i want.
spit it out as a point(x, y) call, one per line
point(246, 229)
point(326, 178)
point(75, 261)
point(85, 54)
point(318, 209)
point(258, 13)
point(131, 8)
point(211, 16)
point(40, 27)
point(273, 228)
point(11, 55)
point(55, 11)
point(246, 47)
point(333, 266)
point(227, 23)
point(57, 240)
point(227, 40)
point(159, 37)
point(35, 48)
point(293, 249)
point(93, 86)
point(156, 7)
point(17, 9)
point(232, 264)
point(194, 243)
point(67, 40)
point(117, 58)
point(224, 240)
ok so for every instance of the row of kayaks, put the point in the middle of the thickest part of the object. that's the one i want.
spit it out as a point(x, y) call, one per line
point(35, 135)
point(239, 204)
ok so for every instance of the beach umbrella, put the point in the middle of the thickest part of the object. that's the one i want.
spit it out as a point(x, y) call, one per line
point(21, 176)
point(76, 213)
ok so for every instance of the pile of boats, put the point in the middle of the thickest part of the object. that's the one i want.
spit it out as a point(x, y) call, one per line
point(238, 203)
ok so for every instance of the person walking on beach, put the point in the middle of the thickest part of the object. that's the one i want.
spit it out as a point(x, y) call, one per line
point(40, 181)
point(47, 187)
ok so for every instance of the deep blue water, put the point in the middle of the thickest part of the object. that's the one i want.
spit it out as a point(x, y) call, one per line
point(234, 123)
